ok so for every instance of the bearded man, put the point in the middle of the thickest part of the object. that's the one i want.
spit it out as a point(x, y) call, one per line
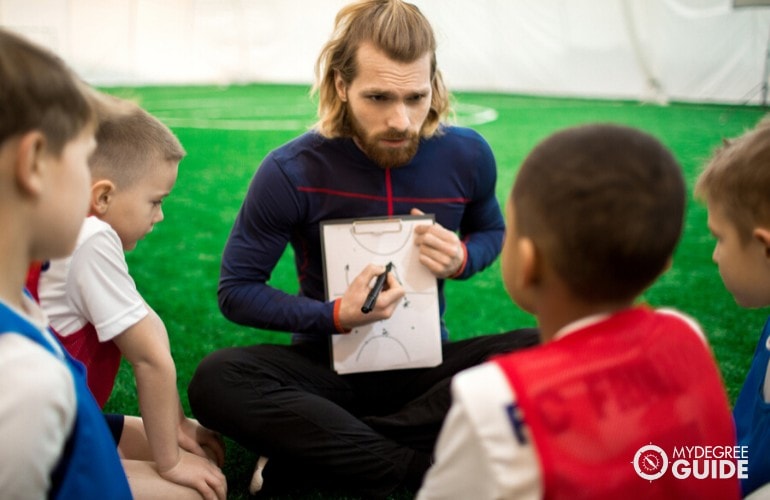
point(381, 147)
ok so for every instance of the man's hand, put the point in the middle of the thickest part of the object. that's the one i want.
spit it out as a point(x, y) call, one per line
point(441, 250)
point(354, 297)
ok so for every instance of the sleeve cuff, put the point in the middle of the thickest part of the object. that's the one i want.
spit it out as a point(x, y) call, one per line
point(465, 262)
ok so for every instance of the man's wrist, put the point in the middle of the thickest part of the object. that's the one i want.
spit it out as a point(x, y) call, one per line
point(463, 262)
point(336, 316)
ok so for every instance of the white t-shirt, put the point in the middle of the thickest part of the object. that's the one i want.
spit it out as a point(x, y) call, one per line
point(37, 410)
point(477, 456)
point(92, 286)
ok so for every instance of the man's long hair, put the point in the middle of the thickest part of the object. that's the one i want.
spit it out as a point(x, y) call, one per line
point(397, 28)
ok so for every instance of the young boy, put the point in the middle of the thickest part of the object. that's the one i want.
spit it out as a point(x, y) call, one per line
point(597, 410)
point(99, 315)
point(55, 442)
point(735, 186)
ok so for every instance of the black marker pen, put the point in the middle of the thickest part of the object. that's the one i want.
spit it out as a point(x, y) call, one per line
point(376, 289)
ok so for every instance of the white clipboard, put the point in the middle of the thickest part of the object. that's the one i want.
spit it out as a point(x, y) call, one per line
point(411, 337)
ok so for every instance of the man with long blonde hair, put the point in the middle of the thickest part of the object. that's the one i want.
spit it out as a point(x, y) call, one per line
point(380, 148)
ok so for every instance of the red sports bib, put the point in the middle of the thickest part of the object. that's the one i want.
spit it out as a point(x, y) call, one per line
point(102, 359)
point(595, 397)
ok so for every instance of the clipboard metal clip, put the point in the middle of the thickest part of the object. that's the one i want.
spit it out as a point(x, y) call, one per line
point(376, 226)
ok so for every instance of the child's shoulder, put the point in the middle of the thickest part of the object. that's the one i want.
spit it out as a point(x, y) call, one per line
point(689, 321)
point(18, 353)
point(94, 225)
point(97, 233)
point(38, 373)
point(98, 247)
point(482, 382)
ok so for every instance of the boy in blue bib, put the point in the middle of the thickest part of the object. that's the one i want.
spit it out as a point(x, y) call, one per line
point(56, 443)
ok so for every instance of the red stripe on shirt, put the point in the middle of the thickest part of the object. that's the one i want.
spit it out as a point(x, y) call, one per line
point(348, 194)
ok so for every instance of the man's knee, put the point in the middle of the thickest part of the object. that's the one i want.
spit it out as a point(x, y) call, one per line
point(208, 388)
point(479, 349)
point(524, 337)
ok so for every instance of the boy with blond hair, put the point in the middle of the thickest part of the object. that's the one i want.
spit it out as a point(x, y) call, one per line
point(735, 185)
point(593, 218)
point(100, 316)
point(55, 443)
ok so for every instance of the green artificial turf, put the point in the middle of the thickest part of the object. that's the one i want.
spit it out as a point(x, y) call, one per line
point(228, 130)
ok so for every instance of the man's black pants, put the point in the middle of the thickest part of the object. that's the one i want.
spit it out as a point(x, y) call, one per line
point(368, 432)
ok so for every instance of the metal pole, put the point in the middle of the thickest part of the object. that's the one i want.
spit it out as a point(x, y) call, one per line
point(766, 72)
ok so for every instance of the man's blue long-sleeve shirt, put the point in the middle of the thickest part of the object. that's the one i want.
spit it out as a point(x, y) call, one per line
point(312, 179)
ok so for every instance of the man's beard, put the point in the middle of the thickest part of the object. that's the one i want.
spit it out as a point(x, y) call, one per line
point(385, 157)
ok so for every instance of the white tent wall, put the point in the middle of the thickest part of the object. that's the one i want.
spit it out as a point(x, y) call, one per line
point(655, 50)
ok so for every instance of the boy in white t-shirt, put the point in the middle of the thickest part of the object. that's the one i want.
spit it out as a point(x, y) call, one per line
point(100, 316)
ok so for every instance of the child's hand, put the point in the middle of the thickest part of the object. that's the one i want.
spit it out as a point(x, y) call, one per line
point(195, 438)
point(198, 473)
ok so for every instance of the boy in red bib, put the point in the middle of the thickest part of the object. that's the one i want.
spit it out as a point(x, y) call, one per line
point(598, 410)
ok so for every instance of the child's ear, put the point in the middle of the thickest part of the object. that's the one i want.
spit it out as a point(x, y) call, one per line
point(762, 235)
point(29, 168)
point(529, 273)
point(102, 194)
